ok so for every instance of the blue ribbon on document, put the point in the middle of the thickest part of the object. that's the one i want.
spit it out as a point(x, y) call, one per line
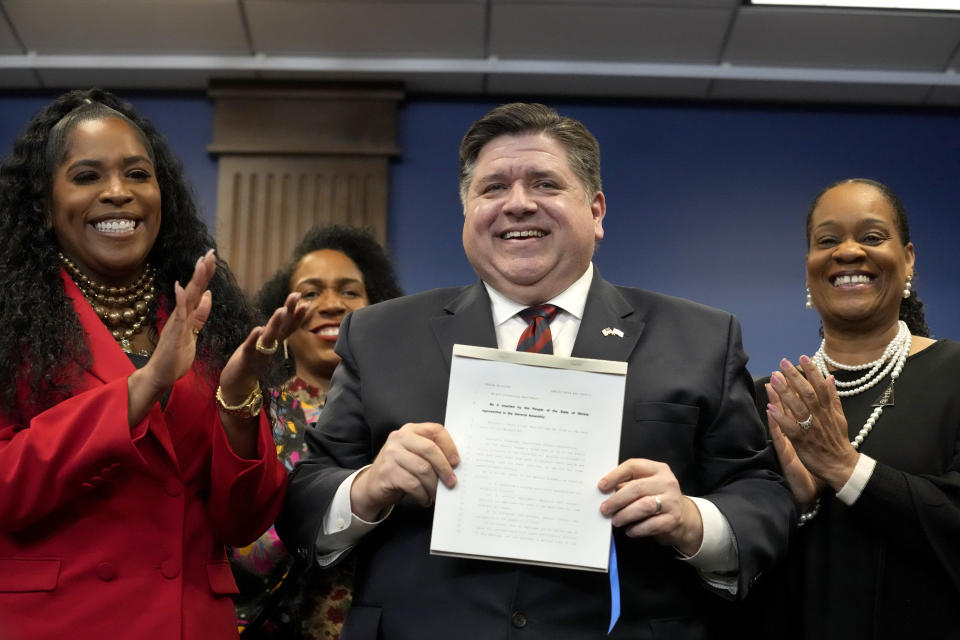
point(614, 586)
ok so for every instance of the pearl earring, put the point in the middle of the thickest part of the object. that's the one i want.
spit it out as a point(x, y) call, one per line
point(907, 287)
point(809, 303)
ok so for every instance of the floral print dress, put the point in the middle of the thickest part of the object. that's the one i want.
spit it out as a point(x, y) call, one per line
point(321, 598)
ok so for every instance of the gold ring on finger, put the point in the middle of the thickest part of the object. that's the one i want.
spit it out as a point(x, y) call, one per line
point(265, 350)
point(659, 505)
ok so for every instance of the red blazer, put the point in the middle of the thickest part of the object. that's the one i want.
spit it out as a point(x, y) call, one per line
point(108, 531)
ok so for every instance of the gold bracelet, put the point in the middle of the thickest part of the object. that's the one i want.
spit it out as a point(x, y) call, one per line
point(249, 408)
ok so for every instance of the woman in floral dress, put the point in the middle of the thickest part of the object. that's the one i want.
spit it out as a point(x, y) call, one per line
point(336, 270)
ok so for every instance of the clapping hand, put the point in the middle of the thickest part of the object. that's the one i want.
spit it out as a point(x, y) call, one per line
point(252, 358)
point(177, 348)
point(177, 344)
point(804, 485)
point(808, 412)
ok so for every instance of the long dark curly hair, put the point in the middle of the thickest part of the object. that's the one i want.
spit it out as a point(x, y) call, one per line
point(911, 309)
point(379, 277)
point(42, 344)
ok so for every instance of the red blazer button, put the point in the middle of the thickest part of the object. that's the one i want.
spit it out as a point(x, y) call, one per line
point(106, 571)
point(170, 569)
point(173, 487)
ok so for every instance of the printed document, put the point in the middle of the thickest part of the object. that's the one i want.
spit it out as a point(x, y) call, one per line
point(535, 434)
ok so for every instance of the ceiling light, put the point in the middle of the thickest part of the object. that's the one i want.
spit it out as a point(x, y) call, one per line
point(928, 5)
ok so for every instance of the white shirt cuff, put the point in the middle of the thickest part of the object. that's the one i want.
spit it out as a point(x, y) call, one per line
point(857, 481)
point(717, 559)
point(342, 529)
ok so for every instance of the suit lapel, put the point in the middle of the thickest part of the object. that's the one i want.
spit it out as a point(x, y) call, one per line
point(467, 320)
point(109, 360)
point(606, 315)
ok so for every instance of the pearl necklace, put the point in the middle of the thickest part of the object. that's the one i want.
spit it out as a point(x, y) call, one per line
point(875, 374)
point(127, 322)
point(895, 355)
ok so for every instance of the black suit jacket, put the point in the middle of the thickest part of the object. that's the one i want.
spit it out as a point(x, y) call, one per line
point(689, 403)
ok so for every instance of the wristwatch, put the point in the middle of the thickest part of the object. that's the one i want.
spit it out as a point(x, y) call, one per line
point(249, 408)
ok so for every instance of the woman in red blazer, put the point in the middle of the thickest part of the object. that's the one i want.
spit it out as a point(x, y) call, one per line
point(132, 444)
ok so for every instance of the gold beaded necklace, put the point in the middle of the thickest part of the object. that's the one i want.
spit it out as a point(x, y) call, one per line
point(135, 299)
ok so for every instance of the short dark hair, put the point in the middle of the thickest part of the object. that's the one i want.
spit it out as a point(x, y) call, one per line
point(517, 118)
point(911, 308)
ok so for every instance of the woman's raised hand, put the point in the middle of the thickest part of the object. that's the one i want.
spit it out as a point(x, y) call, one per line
point(177, 344)
point(252, 358)
point(810, 415)
point(804, 485)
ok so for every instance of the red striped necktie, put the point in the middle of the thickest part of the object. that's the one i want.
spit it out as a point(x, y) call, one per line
point(536, 338)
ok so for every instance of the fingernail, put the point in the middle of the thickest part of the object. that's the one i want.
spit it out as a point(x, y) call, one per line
point(785, 364)
point(776, 381)
point(209, 252)
point(804, 360)
point(772, 408)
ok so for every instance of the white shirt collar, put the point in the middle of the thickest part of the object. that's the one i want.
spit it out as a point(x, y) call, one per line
point(572, 300)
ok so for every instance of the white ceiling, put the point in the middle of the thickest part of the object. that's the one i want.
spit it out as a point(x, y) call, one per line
point(701, 49)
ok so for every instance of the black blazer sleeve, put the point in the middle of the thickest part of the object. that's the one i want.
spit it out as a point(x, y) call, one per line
point(338, 446)
point(741, 473)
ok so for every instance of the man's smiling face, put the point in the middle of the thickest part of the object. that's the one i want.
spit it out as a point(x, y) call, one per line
point(529, 227)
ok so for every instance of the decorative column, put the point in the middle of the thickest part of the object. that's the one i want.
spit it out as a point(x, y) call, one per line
point(296, 155)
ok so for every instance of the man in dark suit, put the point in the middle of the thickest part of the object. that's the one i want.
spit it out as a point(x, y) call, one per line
point(697, 506)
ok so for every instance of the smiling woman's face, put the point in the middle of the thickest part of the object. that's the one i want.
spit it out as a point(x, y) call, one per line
point(857, 264)
point(331, 285)
point(105, 201)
